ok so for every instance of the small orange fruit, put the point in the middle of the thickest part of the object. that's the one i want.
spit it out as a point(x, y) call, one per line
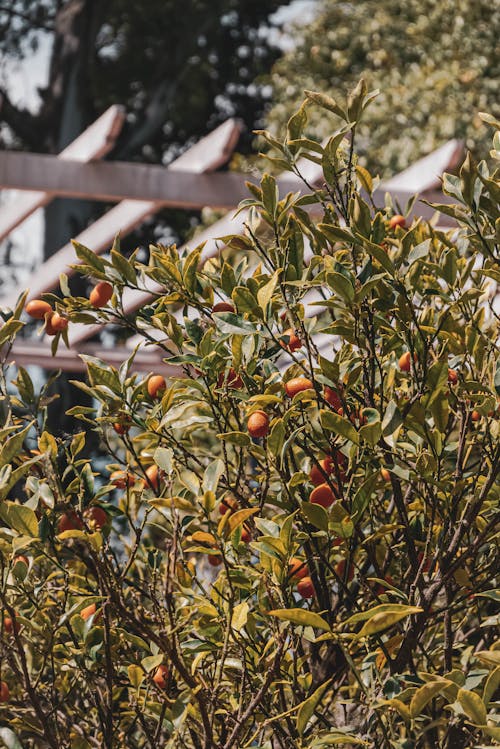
point(55, 324)
point(223, 307)
point(96, 517)
point(10, 625)
point(4, 691)
point(246, 536)
point(88, 611)
point(317, 476)
point(228, 504)
point(340, 568)
point(215, 560)
point(153, 477)
point(385, 474)
point(101, 294)
point(122, 479)
point(405, 361)
point(258, 424)
point(69, 521)
point(233, 380)
point(323, 495)
point(333, 398)
point(306, 588)
point(37, 309)
point(297, 569)
point(452, 377)
point(297, 385)
point(397, 220)
point(475, 415)
point(156, 386)
point(294, 341)
point(160, 677)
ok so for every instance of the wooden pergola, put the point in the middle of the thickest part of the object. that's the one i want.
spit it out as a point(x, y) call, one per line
point(140, 191)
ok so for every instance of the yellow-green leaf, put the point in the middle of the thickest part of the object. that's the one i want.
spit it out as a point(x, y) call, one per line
point(240, 616)
point(135, 675)
point(473, 706)
point(20, 518)
point(385, 619)
point(425, 694)
point(491, 685)
point(332, 422)
point(302, 617)
point(308, 706)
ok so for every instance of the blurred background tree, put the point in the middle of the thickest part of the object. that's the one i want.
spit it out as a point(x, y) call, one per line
point(436, 63)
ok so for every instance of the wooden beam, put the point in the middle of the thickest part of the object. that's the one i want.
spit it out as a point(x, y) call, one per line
point(208, 154)
point(113, 181)
point(425, 173)
point(94, 143)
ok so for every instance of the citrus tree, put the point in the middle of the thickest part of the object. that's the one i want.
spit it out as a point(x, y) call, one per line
point(292, 543)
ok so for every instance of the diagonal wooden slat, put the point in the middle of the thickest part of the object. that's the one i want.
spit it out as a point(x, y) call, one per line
point(208, 154)
point(94, 143)
point(425, 173)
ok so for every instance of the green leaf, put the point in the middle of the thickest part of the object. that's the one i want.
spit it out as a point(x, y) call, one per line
point(473, 706)
point(308, 706)
point(163, 457)
point(190, 270)
point(240, 616)
point(20, 518)
point(87, 256)
point(151, 661)
point(381, 617)
point(236, 438)
point(425, 694)
point(336, 233)
point(9, 330)
point(212, 474)
point(276, 438)
point(326, 102)
point(491, 685)
point(135, 675)
point(265, 293)
point(362, 497)
point(332, 422)
point(301, 617)
point(13, 445)
point(316, 515)
point(229, 323)
point(341, 285)
point(10, 739)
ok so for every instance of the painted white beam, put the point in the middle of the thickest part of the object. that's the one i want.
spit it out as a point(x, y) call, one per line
point(94, 143)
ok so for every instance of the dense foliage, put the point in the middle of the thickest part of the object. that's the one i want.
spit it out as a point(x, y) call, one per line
point(436, 63)
point(294, 541)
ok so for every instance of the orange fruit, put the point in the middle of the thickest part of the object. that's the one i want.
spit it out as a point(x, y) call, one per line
point(452, 377)
point(228, 504)
point(10, 625)
point(297, 385)
point(37, 309)
point(405, 361)
point(246, 536)
point(96, 517)
point(297, 569)
point(233, 380)
point(258, 424)
point(88, 611)
point(317, 477)
point(223, 307)
point(156, 386)
point(215, 560)
point(333, 398)
point(153, 477)
point(55, 324)
point(122, 479)
point(306, 588)
point(294, 341)
point(323, 495)
point(475, 415)
point(69, 521)
point(101, 294)
point(160, 677)
point(4, 691)
point(397, 220)
point(385, 474)
point(340, 570)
